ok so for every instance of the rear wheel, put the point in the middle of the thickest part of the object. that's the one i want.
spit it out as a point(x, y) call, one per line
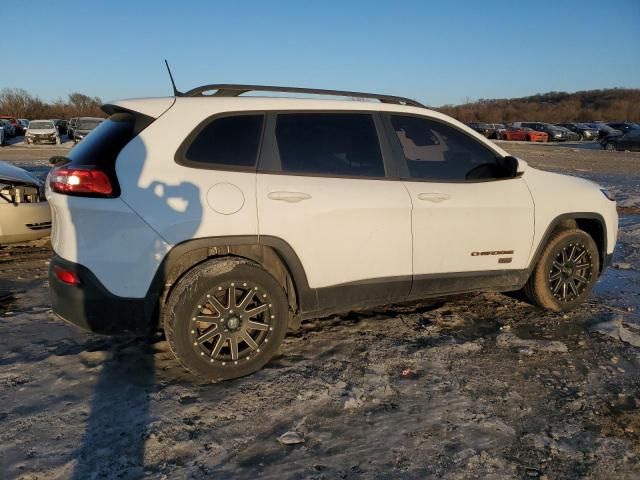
point(566, 272)
point(610, 146)
point(225, 319)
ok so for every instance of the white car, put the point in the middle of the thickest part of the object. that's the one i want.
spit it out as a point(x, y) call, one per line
point(226, 219)
point(24, 211)
point(42, 131)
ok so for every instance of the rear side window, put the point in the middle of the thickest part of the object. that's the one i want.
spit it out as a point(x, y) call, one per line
point(228, 141)
point(438, 152)
point(329, 144)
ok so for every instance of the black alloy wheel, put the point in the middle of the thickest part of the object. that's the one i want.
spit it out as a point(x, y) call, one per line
point(570, 272)
point(231, 323)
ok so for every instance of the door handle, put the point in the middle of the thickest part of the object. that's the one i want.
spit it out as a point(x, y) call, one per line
point(434, 197)
point(290, 197)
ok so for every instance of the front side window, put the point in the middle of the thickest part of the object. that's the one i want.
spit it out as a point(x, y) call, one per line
point(634, 134)
point(340, 144)
point(230, 141)
point(434, 151)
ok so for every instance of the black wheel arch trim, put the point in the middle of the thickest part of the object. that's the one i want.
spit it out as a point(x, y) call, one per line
point(248, 246)
point(557, 223)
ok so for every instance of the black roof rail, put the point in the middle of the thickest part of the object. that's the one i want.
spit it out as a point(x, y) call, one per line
point(232, 90)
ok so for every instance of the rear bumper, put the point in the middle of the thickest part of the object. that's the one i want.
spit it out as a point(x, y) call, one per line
point(90, 306)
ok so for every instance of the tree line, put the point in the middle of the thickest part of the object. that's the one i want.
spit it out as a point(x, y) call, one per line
point(21, 104)
point(553, 107)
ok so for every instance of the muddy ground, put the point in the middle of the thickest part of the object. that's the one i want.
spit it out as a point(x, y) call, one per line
point(476, 386)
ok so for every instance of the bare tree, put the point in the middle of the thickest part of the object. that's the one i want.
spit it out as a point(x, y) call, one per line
point(15, 101)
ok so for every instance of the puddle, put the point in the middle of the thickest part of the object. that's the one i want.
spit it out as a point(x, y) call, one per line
point(628, 220)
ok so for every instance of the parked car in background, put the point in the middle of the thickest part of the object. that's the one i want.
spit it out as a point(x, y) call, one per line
point(571, 136)
point(626, 141)
point(71, 127)
point(42, 131)
point(498, 130)
point(524, 134)
point(24, 211)
point(2, 137)
point(24, 122)
point(624, 127)
point(482, 129)
point(9, 130)
point(604, 130)
point(583, 131)
point(557, 134)
point(84, 126)
point(61, 125)
point(19, 130)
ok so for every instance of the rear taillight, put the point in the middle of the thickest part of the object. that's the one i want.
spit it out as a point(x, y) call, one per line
point(66, 276)
point(81, 181)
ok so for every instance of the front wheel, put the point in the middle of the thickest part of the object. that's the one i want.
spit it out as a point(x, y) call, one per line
point(225, 318)
point(566, 272)
point(610, 146)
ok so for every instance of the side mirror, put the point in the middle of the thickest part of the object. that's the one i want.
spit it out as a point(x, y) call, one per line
point(510, 166)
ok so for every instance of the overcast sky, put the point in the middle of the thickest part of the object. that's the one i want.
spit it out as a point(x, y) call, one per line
point(437, 52)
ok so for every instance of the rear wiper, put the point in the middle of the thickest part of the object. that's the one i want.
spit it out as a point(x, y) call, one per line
point(59, 160)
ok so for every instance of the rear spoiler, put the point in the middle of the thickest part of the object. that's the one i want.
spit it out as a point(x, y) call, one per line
point(151, 107)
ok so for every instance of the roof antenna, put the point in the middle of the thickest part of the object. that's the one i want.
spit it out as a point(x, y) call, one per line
point(176, 92)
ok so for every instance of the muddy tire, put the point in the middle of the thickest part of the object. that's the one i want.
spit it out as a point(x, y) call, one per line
point(566, 271)
point(225, 319)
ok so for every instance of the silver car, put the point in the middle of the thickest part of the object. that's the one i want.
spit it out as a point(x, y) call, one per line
point(24, 212)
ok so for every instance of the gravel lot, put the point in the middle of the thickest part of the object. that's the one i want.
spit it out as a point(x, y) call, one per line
point(476, 386)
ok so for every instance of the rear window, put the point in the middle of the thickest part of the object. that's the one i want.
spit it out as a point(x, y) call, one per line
point(228, 142)
point(329, 144)
point(102, 146)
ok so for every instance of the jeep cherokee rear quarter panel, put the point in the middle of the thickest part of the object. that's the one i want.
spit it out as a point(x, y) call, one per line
point(182, 202)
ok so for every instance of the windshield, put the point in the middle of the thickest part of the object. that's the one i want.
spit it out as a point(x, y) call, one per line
point(40, 125)
point(88, 124)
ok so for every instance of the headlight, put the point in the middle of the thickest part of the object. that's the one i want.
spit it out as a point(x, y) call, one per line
point(608, 194)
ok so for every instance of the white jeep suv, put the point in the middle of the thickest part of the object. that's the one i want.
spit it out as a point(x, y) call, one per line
point(226, 219)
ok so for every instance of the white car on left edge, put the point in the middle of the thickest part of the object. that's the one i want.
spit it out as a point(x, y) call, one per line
point(24, 212)
point(42, 131)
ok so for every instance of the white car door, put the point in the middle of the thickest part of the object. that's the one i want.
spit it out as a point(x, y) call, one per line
point(321, 188)
point(467, 217)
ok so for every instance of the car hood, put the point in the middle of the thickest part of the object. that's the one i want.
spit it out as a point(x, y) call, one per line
point(83, 131)
point(11, 173)
point(43, 131)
